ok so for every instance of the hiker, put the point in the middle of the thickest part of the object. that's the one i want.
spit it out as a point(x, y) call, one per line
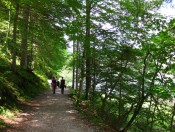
point(62, 85)
point(54, 84)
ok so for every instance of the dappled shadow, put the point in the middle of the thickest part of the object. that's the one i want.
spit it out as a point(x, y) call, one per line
point(50, 113)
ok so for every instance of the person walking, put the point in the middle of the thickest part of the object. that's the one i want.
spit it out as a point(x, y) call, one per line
point(54, 84)
point(62, 85)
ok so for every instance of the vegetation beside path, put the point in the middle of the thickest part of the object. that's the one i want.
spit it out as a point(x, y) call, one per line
point(16, 87)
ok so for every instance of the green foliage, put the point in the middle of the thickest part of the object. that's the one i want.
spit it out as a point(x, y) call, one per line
point(15, 85)
point(90, 114)
point(22, 84)
point(6, 112)
point(2, 124)
point(46, 46)
point(132, 63)
point(131, 56)
point(37, 43)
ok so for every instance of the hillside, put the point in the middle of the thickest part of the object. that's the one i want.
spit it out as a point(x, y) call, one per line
point(17, 86)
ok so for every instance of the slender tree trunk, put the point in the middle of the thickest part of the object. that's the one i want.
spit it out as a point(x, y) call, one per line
point(76, 77)
point(81, 80)
point(24, 33)
point(73, 72)
point(94, 77)
point(104, 101)
point(136, 112)
point(148, 113)
point(14, 38)
point(87, 49)
point(77, 65)
point(8, 31)
point(120, 101)
point(143, 97)
point(73, 76)
point(153, 114)
point(30, 55)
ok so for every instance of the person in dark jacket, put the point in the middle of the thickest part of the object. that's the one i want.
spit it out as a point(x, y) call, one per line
point(54, 84)
point(62, 85)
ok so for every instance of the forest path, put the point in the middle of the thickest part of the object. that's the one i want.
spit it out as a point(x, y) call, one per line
point(51, 113)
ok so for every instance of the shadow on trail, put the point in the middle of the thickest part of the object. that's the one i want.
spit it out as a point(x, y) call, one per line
point(51, 113)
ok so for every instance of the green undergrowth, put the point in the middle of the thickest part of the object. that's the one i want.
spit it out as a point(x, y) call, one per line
point(86, 111)
point(2, 124)
point(89, 111)
point(17, 86)
point(92, 116)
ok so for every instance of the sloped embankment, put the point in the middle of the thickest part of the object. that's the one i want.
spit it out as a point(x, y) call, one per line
point(23, 84)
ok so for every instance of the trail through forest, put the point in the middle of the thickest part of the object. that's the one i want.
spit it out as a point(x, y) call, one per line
point(51, 113)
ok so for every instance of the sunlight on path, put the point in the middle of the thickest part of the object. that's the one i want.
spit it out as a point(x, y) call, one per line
point(52, 113)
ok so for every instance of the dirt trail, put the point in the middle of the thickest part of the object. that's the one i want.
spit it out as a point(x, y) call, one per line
point(51, 113)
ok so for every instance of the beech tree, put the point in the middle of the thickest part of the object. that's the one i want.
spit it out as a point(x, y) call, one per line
point(126, 67)
point(35, 29)
point(123, 60)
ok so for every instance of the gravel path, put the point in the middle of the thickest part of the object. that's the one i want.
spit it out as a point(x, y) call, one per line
point(51, 113)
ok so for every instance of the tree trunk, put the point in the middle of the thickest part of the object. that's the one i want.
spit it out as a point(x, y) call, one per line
point(94, 77)
point(30, 55)
point(76, 78)
point(77, 65)
point(136, 112)
point(103, 99)
point(14, 38)
point(24, 33)
point(73, 72)
point(153, 116)
point(81, 80)
point(87, 50)
point(143, 96)
point(148, 112)
point(8, 31)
